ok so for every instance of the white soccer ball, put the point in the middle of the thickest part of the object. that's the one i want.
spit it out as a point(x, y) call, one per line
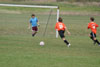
point(41, 43)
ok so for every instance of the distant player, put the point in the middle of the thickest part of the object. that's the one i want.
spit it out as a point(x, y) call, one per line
point(60, 26)
point(93, 26)
point(33, 23)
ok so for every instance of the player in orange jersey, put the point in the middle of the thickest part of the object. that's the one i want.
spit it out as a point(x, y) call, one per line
point(93, 26)
point(60, 26)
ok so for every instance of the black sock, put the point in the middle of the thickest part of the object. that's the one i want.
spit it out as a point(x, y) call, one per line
point(33, 34)
point(66, 42)
point(97, 41)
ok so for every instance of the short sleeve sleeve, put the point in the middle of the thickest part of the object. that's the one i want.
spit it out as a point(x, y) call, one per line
point(88, 25)
point(56, 26)
point(97, 25)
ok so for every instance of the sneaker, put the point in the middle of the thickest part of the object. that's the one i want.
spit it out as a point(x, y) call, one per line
point(68, 45)
point(32, 35)
point(99, 44)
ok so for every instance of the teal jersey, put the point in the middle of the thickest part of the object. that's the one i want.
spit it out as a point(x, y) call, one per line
point(33, 21)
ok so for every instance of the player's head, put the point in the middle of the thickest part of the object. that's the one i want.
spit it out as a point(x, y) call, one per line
point(33, 15)
point(60, 19)
point(92, 18)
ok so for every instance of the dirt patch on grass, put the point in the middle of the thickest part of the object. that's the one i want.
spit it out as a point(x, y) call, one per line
point(80, 13)
point(53, 13)
point(10, 11)
point(73, 13)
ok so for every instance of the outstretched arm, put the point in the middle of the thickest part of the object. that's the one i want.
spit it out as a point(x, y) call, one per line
point(97, 25)
point(38, 24)
point(29, 25)
point(88, 26)
point(68, 31)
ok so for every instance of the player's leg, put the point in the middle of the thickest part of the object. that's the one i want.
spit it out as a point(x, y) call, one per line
point(34, 31)
point(65, 40)
point(67, 43)
point(61, 33)
point(91, 35)
point(94, 37)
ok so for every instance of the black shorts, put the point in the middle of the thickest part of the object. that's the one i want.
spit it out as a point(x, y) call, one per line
point(93, 35)
point(61, 33)
point(35, 28)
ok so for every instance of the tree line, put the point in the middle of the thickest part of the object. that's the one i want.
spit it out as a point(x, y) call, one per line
point(58, 0)
point(78, 0)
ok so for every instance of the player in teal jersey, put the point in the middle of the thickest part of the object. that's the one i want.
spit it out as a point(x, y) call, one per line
point(33, 23)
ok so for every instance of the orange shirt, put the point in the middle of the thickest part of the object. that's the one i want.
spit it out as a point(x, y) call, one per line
point(93, 26)
point(60, 26)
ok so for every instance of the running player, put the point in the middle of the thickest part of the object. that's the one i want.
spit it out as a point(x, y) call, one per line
point(60, 26)
point(93, 26)
point(34, 23)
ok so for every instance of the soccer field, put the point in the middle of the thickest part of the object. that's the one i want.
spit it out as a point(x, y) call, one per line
point(19, 49)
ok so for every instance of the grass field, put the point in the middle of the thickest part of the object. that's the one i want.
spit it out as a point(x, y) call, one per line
point(19, 49)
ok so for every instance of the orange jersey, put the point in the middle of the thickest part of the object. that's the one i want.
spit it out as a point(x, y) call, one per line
point(93, 26)
point(60, 26)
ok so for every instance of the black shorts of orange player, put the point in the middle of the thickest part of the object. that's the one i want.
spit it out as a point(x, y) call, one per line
point(61, 33)
point(93, 37)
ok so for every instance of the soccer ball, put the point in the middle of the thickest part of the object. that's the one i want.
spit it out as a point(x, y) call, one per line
point(41, 43)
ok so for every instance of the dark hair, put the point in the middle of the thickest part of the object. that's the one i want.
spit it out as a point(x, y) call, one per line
point(92, 18)
point(60, 19)
point(33, 14)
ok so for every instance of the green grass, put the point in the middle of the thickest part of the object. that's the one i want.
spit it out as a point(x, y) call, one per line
point(19, 49)
point(24, 51)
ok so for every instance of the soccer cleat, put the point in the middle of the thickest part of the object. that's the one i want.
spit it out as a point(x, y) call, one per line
point(99, 44)
point(32, 35)
point(68, 45)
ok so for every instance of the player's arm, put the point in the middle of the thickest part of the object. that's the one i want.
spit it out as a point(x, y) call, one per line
point(67, 30)
point(29, 25)
point(88, 26)
point(38, 23)
point(56, 26)
point(97, 25)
